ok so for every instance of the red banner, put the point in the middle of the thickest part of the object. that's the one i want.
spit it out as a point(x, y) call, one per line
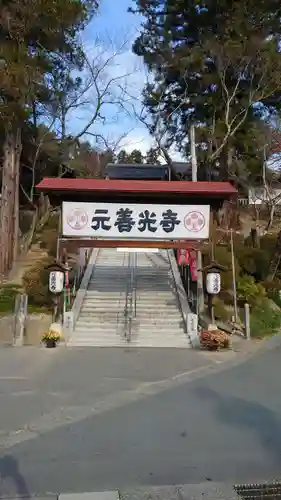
point(183, 257)
point(193, 265)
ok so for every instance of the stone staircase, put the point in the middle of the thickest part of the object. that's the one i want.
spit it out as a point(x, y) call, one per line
point(103, 306)
point(156, 316)
point(158, 321)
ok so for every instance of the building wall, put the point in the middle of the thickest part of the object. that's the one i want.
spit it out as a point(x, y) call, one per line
point(258, 196)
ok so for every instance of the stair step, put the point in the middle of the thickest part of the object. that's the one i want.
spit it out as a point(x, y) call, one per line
point(108, 303)
point(142, 296)
point(99, 334)
point(125, 344)
point(113, 330)
point(104, 294)
point(115, 285)
point(120, 299)
point(159, 321)
point(107, 288)
point(144, 320)
point(106, 307)
point(171, 334)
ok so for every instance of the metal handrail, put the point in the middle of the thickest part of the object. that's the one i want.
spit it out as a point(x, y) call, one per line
point(135, 283)
point(127, 286)
point(131, 296)
point(120, 298)
point(127, 308)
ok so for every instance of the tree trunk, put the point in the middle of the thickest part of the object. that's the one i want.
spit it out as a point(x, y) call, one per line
point(275, 260)
point(271, 217)
point(63, 140)
point(9, 209)
point(254, 238)
point(18, 149)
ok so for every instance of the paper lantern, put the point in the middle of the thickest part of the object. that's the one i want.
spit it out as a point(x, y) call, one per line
point(56, 281)
point(213, 283)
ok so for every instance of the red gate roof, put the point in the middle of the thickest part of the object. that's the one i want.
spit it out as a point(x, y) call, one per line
point(223, 190)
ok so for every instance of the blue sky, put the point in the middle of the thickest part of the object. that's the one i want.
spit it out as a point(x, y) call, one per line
point(115, 29)
point(112, 28)
point(113, 17)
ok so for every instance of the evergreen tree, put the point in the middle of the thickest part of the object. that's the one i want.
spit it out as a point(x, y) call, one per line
point(136, 156)
point(215, 64)
point(123, 157)
point(38, 39)
point(152, 156)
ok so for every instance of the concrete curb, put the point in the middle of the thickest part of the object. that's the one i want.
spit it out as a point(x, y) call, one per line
point(261, 346)
point(102, 495)
point(84, 285)
point(271, 343)
point(201, 491)
point(183, 302)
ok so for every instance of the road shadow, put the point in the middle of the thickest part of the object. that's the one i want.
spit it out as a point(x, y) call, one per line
point(12, 482)
point(256, 417)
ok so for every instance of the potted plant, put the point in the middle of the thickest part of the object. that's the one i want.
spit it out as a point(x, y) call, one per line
point(214, 340)
point(51, 339)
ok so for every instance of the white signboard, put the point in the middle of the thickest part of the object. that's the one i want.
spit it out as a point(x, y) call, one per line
point(135, 221)
point(68, 323)
point(192, 327)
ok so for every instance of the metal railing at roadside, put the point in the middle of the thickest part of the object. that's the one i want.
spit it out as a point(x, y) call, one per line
point(72, 284)
point(262, 491)
point(135, 265)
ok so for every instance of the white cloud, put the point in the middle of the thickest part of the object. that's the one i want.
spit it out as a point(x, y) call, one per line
point(120, 125)
point(137, 139)
point(141, 140)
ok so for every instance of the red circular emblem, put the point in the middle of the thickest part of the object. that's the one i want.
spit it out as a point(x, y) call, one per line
point(77, 219)
point(194, 222)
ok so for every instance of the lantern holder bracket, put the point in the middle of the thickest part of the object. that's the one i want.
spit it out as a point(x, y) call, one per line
point(214, 267)
point(58, 266)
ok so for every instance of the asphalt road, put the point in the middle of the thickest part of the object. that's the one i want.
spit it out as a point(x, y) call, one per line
point(102, 419)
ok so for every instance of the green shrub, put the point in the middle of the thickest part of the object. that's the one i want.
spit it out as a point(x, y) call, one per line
point(7, 298)
point(264, 320)
point(49, 235)
point(253, 261)
point(227, 297)
point(220, 310)
point(48, 241)
point(250, 291)
point(53, 221)
point(268, 243)
point(273, 289)
point(26, 219)
point(36, 284)
point(223, 239)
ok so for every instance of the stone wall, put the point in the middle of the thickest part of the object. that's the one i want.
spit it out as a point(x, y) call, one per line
point(36, 325)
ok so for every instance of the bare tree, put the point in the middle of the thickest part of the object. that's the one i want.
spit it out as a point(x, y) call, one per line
point(158, 127)
point(242, 76)
point(272, 140)
point(96, 99)
point(100, 90)
point(257, 71)
point(267, 193)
